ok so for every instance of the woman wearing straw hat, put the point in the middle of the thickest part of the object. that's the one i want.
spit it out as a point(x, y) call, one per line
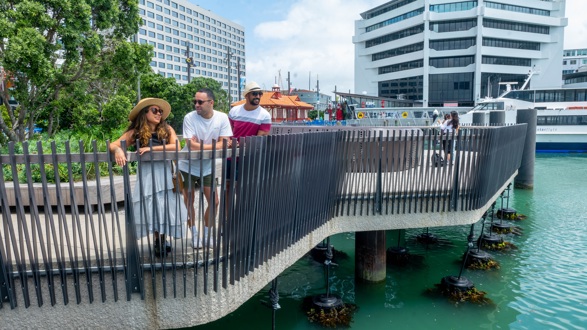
point(156, 208)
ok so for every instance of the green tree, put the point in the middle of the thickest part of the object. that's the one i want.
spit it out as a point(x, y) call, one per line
point(55, 50)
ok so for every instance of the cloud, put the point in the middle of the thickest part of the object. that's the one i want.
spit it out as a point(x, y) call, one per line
point(314, 37)
point(576, 31)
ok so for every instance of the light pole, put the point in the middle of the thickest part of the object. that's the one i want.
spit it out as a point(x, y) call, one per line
point(228, 56)
point(189, 61)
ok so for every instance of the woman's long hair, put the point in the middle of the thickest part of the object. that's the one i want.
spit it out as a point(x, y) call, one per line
point(454, 119)
point(142, 131)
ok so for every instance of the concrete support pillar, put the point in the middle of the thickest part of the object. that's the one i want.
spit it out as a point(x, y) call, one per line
point(525, 177)
point(496, 118)
point(370, 259)
point(479, 119)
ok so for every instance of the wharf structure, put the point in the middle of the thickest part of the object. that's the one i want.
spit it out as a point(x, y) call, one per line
point(189, 41)
point(282, 107)
point(70, 254)
point(446, 52)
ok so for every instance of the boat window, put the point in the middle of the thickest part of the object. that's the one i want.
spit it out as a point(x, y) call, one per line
point(580, 95)
point(569, 95)
point(494, 106)
point(561, 120)
point(520, 95)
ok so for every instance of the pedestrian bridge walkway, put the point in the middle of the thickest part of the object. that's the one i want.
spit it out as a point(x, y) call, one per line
point(71, 256)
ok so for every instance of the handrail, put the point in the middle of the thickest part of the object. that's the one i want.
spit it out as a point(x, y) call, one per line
point(288, 185)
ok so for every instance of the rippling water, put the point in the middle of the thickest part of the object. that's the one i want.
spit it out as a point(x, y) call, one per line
point(540, 285)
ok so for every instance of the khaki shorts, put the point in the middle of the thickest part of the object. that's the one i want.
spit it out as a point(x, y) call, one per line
point(191, 182)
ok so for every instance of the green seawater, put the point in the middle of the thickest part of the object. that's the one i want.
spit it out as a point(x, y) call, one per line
point(540, 285)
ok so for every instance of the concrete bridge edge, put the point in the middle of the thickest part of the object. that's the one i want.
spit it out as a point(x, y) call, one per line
point(176, 312)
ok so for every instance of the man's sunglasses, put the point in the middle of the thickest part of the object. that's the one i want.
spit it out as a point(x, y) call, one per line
point(200, 102)
point(257, 93)
point(156, 111)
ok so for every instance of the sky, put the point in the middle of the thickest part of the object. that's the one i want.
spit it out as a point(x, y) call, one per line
point(312, 39)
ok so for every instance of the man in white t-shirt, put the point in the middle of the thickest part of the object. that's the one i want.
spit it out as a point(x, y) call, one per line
point(200, 128)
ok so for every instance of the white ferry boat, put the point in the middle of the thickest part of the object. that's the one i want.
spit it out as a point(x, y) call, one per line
point(562, 115)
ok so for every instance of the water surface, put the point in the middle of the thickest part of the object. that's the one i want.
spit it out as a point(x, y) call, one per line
point(540, 285)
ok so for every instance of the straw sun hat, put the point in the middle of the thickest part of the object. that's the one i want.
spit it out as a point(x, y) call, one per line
point(147, 102)
point(251, 87)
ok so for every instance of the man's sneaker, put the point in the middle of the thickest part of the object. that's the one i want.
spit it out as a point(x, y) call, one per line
point(161, 250)
point(196, 243)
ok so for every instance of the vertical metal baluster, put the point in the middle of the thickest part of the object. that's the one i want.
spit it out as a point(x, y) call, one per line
point(21, 260)
point(102, 228)
point(115, 225)
point(64, 229)
point(89, 217)
point(35, 223)
point(7, 288)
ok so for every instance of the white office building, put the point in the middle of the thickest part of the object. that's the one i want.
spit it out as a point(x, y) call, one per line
point(451, 52)
point(214, 43)
point(573, 59)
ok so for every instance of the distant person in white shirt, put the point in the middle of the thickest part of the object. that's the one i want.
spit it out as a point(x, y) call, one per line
point(447, 127)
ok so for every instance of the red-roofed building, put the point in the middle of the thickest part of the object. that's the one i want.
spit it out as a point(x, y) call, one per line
point(282, 107)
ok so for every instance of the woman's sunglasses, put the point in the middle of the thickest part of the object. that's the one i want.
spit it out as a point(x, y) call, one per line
point(156, 111)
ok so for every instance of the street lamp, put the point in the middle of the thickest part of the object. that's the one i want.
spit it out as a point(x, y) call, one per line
point(228, 56)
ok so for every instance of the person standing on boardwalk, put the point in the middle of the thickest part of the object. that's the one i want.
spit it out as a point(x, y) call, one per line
point(249, 119)
point(155, 205)
point(203, 128)
point(448, 127)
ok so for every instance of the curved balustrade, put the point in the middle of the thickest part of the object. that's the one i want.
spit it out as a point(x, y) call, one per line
point(65, 241)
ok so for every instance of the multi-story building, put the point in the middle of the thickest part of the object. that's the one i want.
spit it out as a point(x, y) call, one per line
point(573, 59)
point(179, 30)
point(457, 52)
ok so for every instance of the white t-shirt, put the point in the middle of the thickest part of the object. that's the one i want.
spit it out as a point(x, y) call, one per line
point(205, 130)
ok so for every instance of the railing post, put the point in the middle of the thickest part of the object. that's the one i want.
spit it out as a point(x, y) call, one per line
point(133, 279)
point(378, 191)
point(4, 297)
point(457, 171)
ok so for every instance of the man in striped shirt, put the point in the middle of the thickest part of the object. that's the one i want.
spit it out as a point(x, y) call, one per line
point(250, 118)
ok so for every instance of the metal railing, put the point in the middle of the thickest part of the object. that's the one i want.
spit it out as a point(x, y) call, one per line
point(289, 184)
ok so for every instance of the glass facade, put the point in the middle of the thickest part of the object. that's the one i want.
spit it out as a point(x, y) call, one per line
point(452, 26)
point(388, 8)
point(396, 19)
point(519, 9)
point(451, 62)
point(395, 36)
point(450, 44)
point(514, 44)
point(451, 87)
point(398, 51)
point(411, 88)
point(520, 27)
point(401, 66)
point(454, 6)
point(513, 61)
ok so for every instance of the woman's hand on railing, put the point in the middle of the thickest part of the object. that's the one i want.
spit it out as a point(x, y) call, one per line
point(120, 156)
point(143, 150)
